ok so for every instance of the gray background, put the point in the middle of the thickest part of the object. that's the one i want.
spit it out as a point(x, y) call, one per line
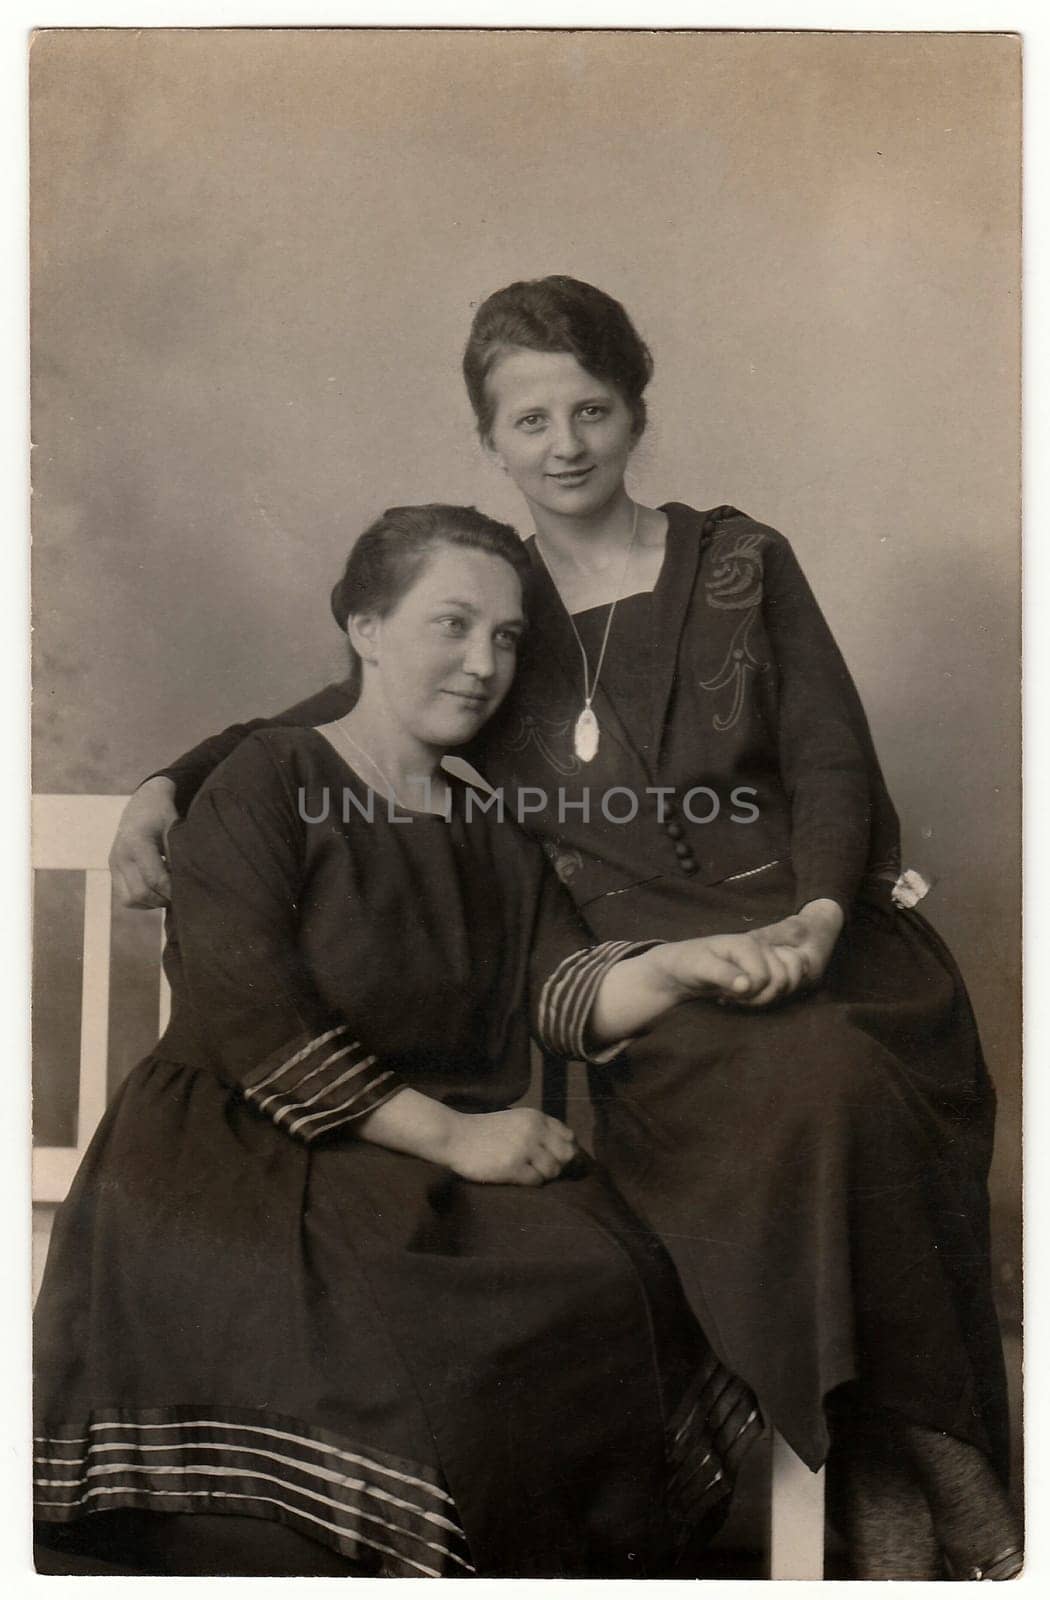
point(255, 257)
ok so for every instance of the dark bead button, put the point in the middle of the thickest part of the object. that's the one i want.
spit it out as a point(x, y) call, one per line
point(682, 850)
point(689, 867)
point(674, 829)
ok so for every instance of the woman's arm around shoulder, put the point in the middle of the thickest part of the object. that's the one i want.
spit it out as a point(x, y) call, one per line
point(137, 859)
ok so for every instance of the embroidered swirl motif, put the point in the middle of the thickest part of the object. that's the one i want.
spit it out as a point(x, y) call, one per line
point(543, 732)
point(740, 662)
point(736, 572)
point(735, 584)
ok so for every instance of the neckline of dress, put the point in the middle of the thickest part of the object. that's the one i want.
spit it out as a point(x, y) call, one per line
point(637, 594)
point(661, 576)
point(399, 809)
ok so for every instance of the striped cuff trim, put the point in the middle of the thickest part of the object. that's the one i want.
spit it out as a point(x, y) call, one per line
point(568, 995)
point(347, 1499)
point(311, 1087)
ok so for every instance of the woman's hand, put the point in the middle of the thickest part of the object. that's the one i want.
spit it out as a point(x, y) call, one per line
point(728, 966)
point(516, 1146)
point(136, 860)
point(710, 968)
point(745, 969)
point(806, 941)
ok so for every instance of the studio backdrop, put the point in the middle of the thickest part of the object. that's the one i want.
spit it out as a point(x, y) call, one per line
point(255, 255)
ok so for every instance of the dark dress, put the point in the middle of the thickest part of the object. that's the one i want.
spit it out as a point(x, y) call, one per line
point(248, 1310)
point(818, 1170)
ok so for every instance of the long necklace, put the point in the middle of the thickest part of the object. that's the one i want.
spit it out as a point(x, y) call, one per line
point(586, 734)
point(341, 732)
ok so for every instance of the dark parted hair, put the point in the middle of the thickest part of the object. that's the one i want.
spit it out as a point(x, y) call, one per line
point(391, 553)
point(557, 314)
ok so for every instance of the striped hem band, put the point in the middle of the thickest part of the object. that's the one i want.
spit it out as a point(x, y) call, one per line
point(349, 1499)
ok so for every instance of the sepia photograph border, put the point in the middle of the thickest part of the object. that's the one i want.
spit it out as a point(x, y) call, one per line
point(15, 957)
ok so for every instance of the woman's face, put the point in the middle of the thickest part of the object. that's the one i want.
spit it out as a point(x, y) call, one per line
point(563, 435)
point(443, 659)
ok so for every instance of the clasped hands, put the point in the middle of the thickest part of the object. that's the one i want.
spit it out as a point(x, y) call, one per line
point(749, 970)
point(757, 969)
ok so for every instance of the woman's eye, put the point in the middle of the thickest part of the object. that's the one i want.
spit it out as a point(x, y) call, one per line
point(531, 422)
point(592, 413)
point(452, 625)
point(507, 639)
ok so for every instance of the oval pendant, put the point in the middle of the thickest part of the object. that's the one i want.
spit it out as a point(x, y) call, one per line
point(585, 735)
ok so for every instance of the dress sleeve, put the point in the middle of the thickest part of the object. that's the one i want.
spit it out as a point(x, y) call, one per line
point(237, 871)
point(566, 968)
point(189, 771)
point(825, 750)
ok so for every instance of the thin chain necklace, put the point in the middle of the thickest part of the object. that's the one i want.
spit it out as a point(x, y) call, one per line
point(340, 732)
point(586, 734)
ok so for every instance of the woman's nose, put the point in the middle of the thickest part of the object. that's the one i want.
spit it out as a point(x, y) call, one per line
point(567, 444)
point(480, 658)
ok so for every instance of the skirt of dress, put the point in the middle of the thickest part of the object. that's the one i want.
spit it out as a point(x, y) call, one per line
point(442, 1376)
point(818, 1172)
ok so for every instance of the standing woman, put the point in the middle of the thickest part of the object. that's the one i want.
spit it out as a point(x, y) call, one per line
point(685, 738)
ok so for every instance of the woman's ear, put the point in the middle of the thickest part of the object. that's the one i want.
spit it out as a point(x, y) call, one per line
point(361, 631)
point(493, 454)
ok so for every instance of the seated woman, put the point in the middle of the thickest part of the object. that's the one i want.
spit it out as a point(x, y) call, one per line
point(815, 1158)
point(319, 1272)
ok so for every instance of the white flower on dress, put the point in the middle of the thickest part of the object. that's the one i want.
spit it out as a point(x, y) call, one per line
point(910, 888)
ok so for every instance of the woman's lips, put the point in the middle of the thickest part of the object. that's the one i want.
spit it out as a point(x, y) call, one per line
point(476, 700)
point(571, 478)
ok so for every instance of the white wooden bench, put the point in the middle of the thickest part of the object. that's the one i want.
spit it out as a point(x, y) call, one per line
point(74, 833)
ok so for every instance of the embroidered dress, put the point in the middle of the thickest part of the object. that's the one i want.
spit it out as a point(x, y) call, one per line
point(247, 1310)
point(818, 1168)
